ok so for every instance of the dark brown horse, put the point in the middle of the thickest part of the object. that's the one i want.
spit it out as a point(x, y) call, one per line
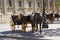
point(50, 17)
point(57, 16)
point(36, 19)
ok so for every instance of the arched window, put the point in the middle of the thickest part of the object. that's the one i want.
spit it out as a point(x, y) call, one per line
point(0, 3)
point(10, 3)
point(20, 4)
point(29, 4)
point(38, 3)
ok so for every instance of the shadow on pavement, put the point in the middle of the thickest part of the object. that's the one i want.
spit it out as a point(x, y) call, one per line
point(19, 34)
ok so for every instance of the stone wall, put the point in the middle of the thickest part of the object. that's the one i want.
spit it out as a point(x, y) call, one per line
point(9, 7)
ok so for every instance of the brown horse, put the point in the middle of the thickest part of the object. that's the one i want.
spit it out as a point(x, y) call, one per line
point(17, 20)
point(26, 20)
point(20, 20)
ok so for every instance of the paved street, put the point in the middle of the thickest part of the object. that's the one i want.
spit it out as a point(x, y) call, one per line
point(53, 32)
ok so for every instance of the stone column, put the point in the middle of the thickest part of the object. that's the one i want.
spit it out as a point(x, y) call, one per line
point(4, 9)
point(48, 6)
point(41, 6)
point(54, 5)
point(0, 11)
point(25, 6)
point(34, 6)
point(15, 7)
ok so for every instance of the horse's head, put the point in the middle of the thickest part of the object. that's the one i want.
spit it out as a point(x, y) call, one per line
point(57, 15)
point(36, 14)
point(38, 17)
point(50, 17)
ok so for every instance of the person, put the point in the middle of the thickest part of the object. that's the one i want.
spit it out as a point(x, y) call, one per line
point(32, 14)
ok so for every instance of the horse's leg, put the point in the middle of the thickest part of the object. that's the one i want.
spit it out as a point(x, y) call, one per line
point(18, 26)
point(40, 29)
point(23, 27)
point(12, 25)
point(36, 27)
point(57, 19)
point(33, 28)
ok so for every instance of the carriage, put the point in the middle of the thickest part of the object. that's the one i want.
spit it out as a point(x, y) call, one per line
point(24, 20)
point(19, 20)
point(33, 20)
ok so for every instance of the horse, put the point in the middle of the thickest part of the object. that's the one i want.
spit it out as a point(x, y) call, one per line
point(17, 20)
point(20, 20)
point(50, 17)
point(36, 19)
point(57, 16)
point(26, 21)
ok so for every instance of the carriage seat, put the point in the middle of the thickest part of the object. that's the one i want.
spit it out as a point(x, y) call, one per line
point(16, 22)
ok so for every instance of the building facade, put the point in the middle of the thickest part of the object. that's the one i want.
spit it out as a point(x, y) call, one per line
point(9, 7)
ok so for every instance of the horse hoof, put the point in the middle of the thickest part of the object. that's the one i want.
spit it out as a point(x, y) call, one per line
point(33, 31)
point(24, 31)
point(13, 30)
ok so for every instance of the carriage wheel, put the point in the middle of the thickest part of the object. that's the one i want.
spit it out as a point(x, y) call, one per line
point(12, 25)
point(23, 27)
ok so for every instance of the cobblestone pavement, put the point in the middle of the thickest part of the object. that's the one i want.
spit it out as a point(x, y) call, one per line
point(30, 35)
point(52, 31)
point(21, 39)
